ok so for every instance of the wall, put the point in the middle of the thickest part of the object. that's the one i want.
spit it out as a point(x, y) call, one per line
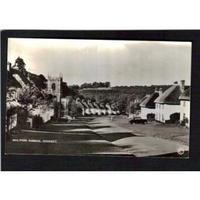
point(12, 121)
point(185, 111)
point(145, 111)
point(46, 113)
point(57, 81)
point(163, 111)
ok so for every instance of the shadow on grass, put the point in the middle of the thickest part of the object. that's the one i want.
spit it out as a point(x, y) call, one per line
point(173, 155)
point(62, 148)
point(98, 126)
point(111, 137)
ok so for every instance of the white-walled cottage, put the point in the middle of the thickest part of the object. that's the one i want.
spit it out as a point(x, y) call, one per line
point(185, 107)
point(168, 102)
point(148, 105)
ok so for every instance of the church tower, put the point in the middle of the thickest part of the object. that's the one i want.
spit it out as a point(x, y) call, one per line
point(54, 86)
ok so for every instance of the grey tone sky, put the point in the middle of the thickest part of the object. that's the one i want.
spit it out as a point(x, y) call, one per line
point(120, 62)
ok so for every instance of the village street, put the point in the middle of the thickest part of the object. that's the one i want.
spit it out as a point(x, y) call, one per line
point(102, 135)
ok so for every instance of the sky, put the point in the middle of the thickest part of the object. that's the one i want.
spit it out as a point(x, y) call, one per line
point(119, 62)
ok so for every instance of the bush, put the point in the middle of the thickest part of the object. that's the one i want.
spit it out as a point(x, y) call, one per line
point(79, 111)
point(184, 121)
point(22, 118)
point(37, 121)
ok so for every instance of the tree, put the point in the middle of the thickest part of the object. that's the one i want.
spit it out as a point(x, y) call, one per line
point(123, 103)
point(107, 84)
point(22, 116)
point(73, 108)
point(19, 62)
point(9, 113)
point(74, 87)
point(11, 109)
point(95, 85)
point(42, 77)
point(37, 121)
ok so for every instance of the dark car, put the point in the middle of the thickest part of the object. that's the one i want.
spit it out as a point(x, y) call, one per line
point(138, 120)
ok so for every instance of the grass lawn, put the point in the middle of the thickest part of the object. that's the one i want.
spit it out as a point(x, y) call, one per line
point(100, 135)
point(156, 129)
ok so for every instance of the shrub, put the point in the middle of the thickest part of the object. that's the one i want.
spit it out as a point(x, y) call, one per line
point(37, 121)
point(184, 121)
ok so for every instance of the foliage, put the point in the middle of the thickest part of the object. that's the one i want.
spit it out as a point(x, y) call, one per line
point(19, 62)
point(28, 78)
point(11, 81)
point(22, 118)
point(68, 91)
point(38, 80)
point(95, 85)
point(184, 121)
point(73, 108)
point(122, 95)
point(74, 87)
point(9, 113)
point(21, 75)
point(37, 121)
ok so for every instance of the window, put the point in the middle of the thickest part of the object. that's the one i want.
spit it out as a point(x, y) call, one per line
point(53, 86)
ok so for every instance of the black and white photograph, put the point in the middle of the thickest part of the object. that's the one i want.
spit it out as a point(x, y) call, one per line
point(98, 97)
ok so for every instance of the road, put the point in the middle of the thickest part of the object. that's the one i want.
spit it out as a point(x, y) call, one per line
point(93, 135)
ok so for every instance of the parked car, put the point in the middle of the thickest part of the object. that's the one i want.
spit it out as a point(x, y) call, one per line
point(138, 120)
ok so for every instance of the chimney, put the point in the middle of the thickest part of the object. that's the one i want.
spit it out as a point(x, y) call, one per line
point(182, 86)
point(156, 89)
point(9, 66)
point(175, 83)
point(160, 91)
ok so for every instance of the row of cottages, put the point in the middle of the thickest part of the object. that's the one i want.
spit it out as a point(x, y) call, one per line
point(93, 108)
point(87, 107)
point(174, 100)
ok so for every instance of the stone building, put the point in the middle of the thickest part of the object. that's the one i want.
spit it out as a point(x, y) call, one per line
point(54, 86)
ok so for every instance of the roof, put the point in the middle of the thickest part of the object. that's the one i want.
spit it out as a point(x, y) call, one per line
point(144, 98)
point(170, 96)
point(148, 102)
point(185, 95)
point(17, 78)
point(11, 81)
